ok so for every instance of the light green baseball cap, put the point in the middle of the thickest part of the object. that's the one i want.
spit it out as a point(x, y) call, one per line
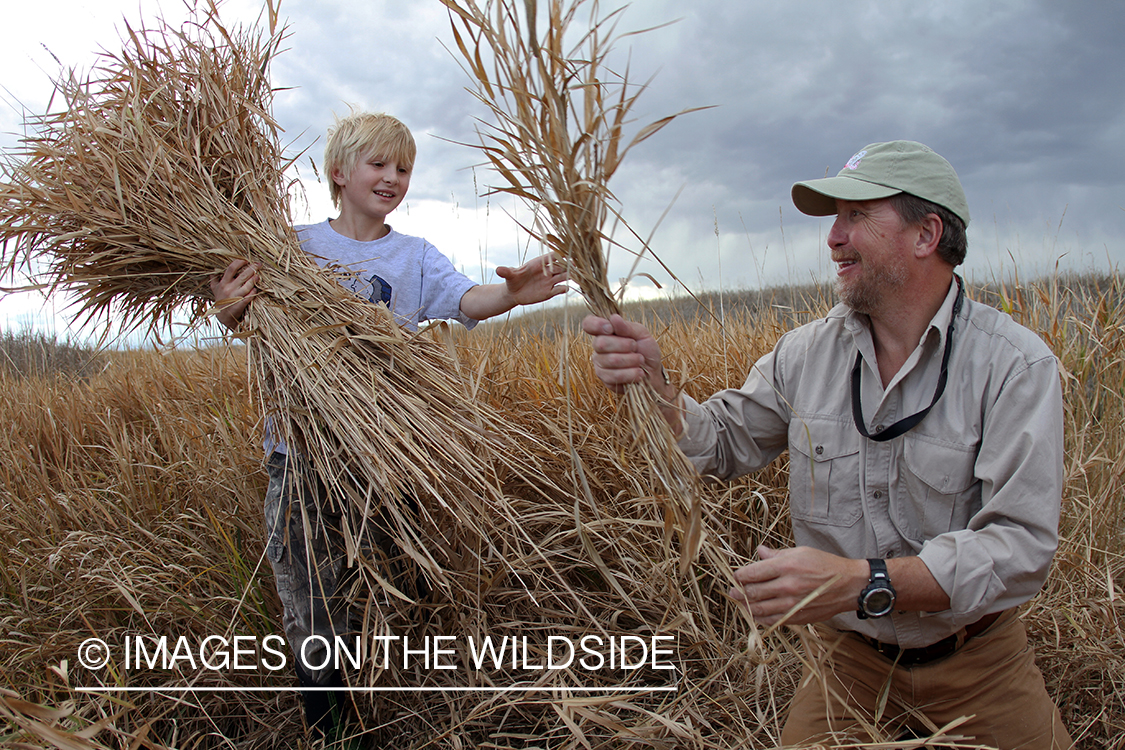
point(882, 170)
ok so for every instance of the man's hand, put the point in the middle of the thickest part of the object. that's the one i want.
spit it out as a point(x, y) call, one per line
point(626, 353)
point(536, 281)
point(783, 578)
point(233, 290)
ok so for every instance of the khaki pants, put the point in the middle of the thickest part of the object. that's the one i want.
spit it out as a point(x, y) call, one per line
point(992, 678)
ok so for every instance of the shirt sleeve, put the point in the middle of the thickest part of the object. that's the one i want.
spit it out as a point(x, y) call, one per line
point(737, 430)
point(1002, 559)
point(443, 286)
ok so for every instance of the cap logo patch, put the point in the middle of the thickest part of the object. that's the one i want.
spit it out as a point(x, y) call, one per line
point(853, 163)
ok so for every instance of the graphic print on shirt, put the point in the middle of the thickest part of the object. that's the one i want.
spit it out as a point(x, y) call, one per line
point(383, 293)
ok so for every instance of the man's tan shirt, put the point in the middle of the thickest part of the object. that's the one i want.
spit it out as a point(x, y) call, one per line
point(974, 490)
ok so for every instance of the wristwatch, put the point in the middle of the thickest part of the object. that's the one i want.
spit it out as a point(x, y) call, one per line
point(878, 599)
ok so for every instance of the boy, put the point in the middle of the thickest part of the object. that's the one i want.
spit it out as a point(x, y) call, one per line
point(369, 159)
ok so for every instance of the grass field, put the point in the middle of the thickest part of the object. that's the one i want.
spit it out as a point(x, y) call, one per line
point(131, 487)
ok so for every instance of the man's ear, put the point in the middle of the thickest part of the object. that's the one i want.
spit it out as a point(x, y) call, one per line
point(929, 236)
point(338, 177)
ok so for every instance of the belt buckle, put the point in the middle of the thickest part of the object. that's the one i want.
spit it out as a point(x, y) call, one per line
point(914, 657)
point(889, 650)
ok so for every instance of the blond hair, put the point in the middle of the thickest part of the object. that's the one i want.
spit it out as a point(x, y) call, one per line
point(361, 135)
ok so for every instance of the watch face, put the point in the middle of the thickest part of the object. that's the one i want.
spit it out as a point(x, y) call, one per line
point(878, 602)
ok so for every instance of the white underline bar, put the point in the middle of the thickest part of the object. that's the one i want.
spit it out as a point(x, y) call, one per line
point(373, 689)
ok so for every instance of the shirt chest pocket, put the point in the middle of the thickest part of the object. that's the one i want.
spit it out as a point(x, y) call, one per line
point(824, 472)
point(941, 491)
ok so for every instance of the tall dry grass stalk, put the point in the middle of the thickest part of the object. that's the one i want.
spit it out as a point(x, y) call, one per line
point(164, 165)
point(559, 134)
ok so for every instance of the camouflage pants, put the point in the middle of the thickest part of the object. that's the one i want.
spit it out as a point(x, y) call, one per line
point(305, 547)
point(308, 566)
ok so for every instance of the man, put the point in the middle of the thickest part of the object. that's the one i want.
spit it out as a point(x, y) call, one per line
point(925, 445)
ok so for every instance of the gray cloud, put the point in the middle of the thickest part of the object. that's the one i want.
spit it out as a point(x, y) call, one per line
point(1021, 96)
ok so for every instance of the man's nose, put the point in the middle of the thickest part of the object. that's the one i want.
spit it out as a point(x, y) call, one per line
point(836, 235)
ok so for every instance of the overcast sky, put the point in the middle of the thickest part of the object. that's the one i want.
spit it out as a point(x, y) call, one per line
point(1018, 95)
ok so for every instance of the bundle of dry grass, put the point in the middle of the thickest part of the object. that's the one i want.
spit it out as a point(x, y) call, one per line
point(558, 138)
point(162, 167)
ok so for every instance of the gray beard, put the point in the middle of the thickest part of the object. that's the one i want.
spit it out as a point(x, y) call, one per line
point(864, 296)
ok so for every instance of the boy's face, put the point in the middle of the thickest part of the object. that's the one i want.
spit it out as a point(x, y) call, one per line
point(375, 187)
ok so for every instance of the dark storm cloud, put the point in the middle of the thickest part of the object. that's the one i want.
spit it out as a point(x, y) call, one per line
point(1023, 98)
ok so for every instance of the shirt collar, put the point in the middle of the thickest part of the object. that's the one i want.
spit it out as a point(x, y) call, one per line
point(859, 325)
point(941, 319)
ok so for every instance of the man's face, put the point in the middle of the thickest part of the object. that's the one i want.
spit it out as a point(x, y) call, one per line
point(871, 248)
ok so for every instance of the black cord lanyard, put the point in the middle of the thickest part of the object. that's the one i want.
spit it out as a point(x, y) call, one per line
point(903, 426)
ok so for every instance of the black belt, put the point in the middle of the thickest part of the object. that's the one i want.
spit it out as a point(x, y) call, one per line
point(912, 657)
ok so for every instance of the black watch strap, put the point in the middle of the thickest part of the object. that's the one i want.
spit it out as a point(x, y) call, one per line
point(878, 598)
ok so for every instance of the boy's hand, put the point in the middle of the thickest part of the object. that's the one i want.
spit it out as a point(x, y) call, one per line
point(234, 289)
point(538, 280)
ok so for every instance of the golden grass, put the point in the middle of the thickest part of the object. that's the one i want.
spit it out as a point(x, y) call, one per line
point(132, 505)
point(164, 165)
